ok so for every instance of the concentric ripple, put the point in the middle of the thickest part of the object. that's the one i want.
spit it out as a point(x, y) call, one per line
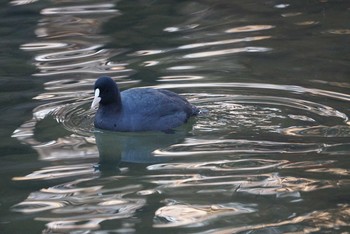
point(273, 118)
point(253, 150)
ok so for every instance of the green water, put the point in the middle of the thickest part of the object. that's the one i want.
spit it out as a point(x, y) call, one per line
point(268, 153)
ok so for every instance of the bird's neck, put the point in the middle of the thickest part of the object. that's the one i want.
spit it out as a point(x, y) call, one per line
point(111, 108)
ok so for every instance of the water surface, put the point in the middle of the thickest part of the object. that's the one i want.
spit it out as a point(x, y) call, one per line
point(268, 153)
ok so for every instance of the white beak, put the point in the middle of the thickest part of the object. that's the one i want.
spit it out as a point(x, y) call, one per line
point(96, 100)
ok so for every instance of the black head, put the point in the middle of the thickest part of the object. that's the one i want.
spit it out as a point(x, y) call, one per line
point(106, 92)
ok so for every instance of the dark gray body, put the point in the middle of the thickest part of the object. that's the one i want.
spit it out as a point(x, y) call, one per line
point(145, 109)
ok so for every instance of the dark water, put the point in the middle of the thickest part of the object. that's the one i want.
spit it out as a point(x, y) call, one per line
point(269, 153)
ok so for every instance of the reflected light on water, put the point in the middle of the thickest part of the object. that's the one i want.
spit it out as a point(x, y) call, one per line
point(287, 88)
point(37, 206)
point(148, 52)
point(85, 55)
point(175, 68)
point(224, 165)
point(174, 215)
point(84, 9)
point(305, 223)
point(150, 63)
point(309, 22)
point(72, 61)
point(75, 208)
point(179, 78)
point(223, 42)
point(282, 6)
point(318, 131)
point(335, 171)
point(180, 28)
point(339, 31)
point(226, 51)
point(21, 2)
point(43, 46)
point(257, 142)
point(57, 172)
point(291, 14)
point(237, 146)
point(71, 54)
point(249, 28)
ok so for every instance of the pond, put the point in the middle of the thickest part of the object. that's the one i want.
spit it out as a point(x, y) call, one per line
point(268, 152)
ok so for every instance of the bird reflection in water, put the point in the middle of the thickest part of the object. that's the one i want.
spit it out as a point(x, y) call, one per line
point(134, 147)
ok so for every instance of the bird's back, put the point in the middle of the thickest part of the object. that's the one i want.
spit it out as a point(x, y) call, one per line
point(154, 109)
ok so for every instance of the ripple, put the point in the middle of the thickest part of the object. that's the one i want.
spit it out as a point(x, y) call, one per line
point(58, 172)
point(92, 213)
point(74, 61)
point(150, 63)
point(34, 46)
point(223, 42)
point(64, 27)
point(22, 2)
point(318, 131)
point(282, 5)
point(335, 171)
point(226, 51)
point(315, 221)
point(75, 118)
point(175, 68)
point(37, 206)
point(254, 145)
point(66, 84)
point(224, 146)
point(249, 28)
point(265, 113)
point(281, 186)
point(179, 78)
point(291, 14)
point(227, 115)
point(276, 87)
point(70, 146)
point(75, 206)
point(61, 89)
point(220, 186)
point(174, 215)
point(222, 165)
point(301, 117)
point(306, 23)
point(148, 52)
point(262, 184)
point(230, 116)
point(339, 31)
point(309, 164)
point(84, 9)
point(99, 66)
point(180, 28)
point(71, 54)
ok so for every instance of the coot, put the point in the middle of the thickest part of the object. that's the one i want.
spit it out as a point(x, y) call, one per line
point(138, 109)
